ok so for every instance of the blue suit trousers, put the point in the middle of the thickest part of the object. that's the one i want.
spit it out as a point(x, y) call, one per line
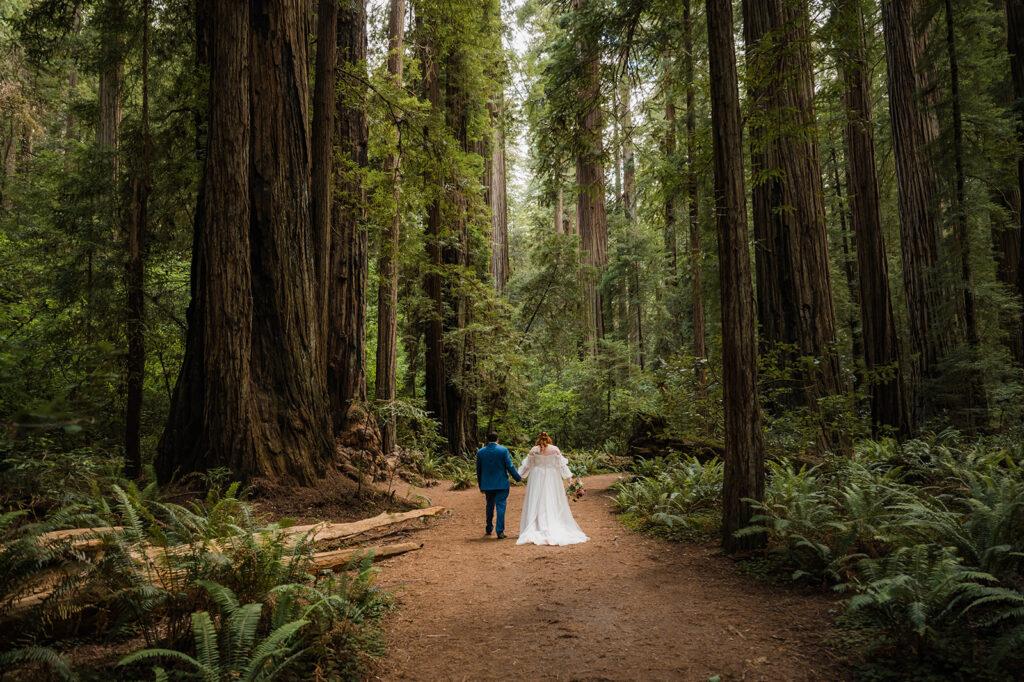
point(496, 501)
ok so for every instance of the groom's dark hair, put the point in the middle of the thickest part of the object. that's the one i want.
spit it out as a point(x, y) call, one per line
point(492, 437)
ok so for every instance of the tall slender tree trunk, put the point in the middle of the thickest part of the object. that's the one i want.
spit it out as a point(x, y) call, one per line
point(744, 455)
point(794, 287)
point(135, 279)
point(386, 385)
point(459, 421)
point(560, 212)
point(919, 231)
point(977, 403)
point(628, 162)
point(882, 360)
point(590, 209)
point(963, 237)
point(108, 122)
point(321, 176)
point(700, 350)
point(668, 186)
point(435, 375)
point(498, 198)
point(354, 426)
point(252, 393)
point(1015, 45)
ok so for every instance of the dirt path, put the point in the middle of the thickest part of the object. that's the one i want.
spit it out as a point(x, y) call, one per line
point(620, 607)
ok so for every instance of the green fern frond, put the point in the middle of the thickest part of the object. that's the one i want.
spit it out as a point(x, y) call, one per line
point(205, 637)
point(39, 656)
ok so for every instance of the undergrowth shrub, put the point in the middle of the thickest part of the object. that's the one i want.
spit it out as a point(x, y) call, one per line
point(192, 578)
point(927, 537)
point(675, 497)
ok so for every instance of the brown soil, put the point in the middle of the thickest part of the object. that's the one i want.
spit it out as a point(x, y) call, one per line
point(620, 607)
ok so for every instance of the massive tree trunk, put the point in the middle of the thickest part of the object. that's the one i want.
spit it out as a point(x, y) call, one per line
point(878, 328)
point(794, 288)
point(917, 211)
point(135, 278)
point(1015, 44)
point(251, 395)
point(700, 350)
point(354, 426)
point(386, 384)
point(590, 209)
point(744, 456)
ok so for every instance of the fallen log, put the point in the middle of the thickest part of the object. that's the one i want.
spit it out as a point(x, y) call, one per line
point(339, 559)
point(319, 532)
point(153, 561)
point(327, 532)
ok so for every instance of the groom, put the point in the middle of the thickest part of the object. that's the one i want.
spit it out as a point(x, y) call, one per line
point(493, 467)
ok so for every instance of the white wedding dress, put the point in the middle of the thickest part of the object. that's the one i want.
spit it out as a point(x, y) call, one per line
point(546, 518)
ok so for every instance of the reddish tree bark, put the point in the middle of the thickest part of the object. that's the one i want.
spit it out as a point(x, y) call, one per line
point(590, 208)
point(1015, 251)
point(252, 392)
point(911, 128)
point(794, 287)
point(700, 350)
point(744, 456)
point(135, 278)
point(881, 344)
point(349, 252)
point(386, 384)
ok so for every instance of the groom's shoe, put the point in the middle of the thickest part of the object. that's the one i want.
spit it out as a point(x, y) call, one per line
point(502, 536)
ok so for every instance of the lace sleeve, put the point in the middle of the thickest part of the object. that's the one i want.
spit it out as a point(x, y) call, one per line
point(524, 468)
point(563, 465)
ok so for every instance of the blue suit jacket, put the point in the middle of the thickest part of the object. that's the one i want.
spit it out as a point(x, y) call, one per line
point(493, 467)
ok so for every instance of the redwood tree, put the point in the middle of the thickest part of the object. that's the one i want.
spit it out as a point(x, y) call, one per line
point(794, 287)
point(590, 208)
point(744, 456)
point(881, 345)
point(346, 295)
point(252, 394)
point(700, 350)
point(386, 383)
point(919, 230)
point(1014, 248)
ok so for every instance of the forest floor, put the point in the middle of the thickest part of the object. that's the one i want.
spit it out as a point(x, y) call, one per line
point(622, 606)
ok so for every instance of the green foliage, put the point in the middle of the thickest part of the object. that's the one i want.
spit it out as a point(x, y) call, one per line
point(165, 568)
point(926, 536)
point(676, 497)
point(228, 649)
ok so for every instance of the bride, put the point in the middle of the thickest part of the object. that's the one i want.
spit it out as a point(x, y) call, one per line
point(546, 518)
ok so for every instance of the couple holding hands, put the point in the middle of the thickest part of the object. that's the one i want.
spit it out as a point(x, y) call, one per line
point(546, 517)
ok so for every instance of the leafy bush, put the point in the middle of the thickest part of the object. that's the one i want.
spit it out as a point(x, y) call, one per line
point(189, 578)
point(927, 536)
point(590, 463)
point(678, 498)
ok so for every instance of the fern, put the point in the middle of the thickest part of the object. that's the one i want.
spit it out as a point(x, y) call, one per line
point(37, 656)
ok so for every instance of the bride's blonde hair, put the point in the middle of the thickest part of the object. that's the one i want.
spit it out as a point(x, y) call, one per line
point(543, 440)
